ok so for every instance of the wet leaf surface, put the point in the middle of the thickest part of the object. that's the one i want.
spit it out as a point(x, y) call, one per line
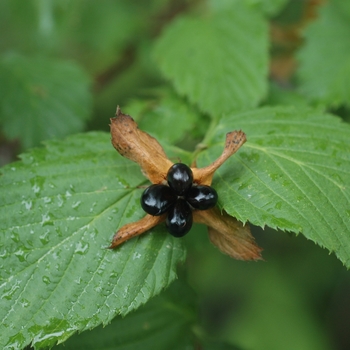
point(293, 173)
point(60, 207)
point(218, 67)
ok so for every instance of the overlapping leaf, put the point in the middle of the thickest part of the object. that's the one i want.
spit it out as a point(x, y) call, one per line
point(59, 209)
point(270, 7)
point(88, 31)
point(292, 174)
point(325, 59)
point(165, 322)
point(218, 61)
point(41, 98)
point(167, 116)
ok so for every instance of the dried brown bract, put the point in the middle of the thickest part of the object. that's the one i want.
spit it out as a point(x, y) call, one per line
point(227, 233)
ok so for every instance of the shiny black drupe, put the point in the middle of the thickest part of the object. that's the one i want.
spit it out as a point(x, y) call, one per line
point(180, 178)
point(157, 199)
point(178, 199)
point(202, 197)
point(179, 219)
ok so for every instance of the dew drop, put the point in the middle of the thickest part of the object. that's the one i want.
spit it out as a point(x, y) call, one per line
point(3, 254)
point(44, 219)
point(21, 255)
point(44, 238)
point(15, 237)
point(8, 293)
point(278, 205)
point(47, 199)
point(136, 256)
point(93, 233)
point(24, 302)
point(126, 292)
point(274, 177)
point(98, 289)
point(42, 336)
point(81, 248)
point(16, 340)
point(46, 279)
point(36, 188)
point(76, 204)
point(27, 204)
point(300, 199)
point(93, 207)
point(59, 201)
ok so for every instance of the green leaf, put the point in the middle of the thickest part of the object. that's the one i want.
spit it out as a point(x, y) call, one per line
point(92, 32)
point(167, 116)
point(270, 7)
point(292, 174)
point(324, 68)
point(219, 61)
point(98, 31)
point(60, 207)
point(20, 20)
point(41, 98)
point(264, 313)
point(282, 96)
point(218, 345)
point(165, 322)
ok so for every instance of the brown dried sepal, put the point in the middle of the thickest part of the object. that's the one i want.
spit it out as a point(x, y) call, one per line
point(228, 234)
point(234, 140)
point(135, 229)
point(138, 146)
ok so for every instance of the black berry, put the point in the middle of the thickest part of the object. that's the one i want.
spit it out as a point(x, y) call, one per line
point(180, 178)
point(202, 197)
point(157, 199)
point(178, 199)
point(179, 219)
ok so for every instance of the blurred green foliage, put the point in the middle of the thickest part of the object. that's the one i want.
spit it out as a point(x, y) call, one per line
point(65, 65)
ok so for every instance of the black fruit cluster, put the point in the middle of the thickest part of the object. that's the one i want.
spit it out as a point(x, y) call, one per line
point(178, 199)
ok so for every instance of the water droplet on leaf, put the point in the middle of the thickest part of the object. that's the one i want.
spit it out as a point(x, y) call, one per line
point(81, 248)
point(46, 279)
